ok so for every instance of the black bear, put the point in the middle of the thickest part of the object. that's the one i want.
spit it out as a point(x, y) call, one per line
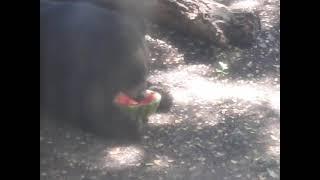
point(88, 54)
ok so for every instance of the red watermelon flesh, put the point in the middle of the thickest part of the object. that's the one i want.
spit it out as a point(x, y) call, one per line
point(123, 99)
point(149, 97)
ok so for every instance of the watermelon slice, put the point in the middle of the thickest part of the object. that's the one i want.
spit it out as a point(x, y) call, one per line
point(139, 110)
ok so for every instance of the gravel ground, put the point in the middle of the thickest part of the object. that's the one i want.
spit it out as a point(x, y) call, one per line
point(224, 123)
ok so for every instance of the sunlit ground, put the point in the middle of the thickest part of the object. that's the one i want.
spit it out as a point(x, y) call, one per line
point(123, 156)
point(246, 4)
point(188, 88)
point(160, 162)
